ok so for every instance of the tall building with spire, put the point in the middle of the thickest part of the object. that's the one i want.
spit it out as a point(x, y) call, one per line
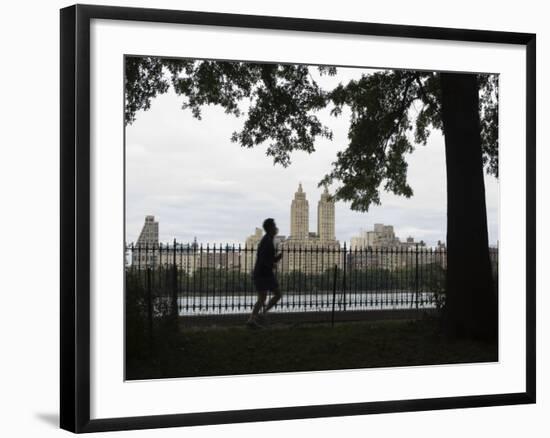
point(299, 215)
point(307, 251)
point(325, 217)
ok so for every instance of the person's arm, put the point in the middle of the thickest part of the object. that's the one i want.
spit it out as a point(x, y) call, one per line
point(270, 254)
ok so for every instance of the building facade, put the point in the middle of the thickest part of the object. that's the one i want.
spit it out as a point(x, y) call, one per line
point(306, 251)
point(144, 253)
point(299, 215)
point(381, 248)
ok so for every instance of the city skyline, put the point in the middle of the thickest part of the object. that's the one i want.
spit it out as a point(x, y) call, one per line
point(304, 226)
point(299, 233)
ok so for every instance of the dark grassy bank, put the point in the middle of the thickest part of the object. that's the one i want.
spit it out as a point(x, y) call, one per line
point(314, 347)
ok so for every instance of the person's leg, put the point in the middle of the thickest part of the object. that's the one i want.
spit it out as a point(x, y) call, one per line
point(258, 306)
point(274, 300)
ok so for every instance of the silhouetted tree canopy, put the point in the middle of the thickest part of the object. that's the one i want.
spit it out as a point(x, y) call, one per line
point(284, 99)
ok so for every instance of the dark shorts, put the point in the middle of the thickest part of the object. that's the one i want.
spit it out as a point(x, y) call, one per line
point(266, 283)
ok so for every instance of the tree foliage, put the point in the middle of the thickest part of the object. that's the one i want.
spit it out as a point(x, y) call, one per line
point(392, 111)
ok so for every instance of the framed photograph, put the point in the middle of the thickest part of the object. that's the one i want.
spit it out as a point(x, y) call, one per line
point(267, 218)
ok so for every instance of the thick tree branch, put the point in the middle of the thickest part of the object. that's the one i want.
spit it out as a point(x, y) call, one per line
point(424, 94)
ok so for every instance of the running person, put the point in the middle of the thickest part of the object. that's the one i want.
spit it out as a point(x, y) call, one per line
point(263, 275)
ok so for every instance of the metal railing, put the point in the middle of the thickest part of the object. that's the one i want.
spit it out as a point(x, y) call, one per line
point(192, 279)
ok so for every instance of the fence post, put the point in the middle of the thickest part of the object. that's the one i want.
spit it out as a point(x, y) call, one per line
point(344, 276)
point(416, 277)
point(149, 308)
point(174, 303)
point(334, 293)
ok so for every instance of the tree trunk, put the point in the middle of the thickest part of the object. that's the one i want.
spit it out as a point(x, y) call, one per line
point(471, 303)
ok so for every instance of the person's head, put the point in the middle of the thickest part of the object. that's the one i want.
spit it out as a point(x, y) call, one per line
point(270, 227)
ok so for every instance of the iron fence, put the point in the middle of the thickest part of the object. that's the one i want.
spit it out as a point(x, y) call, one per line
point(192, 280)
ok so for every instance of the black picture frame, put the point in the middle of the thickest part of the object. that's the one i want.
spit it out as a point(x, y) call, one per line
point(76, 210)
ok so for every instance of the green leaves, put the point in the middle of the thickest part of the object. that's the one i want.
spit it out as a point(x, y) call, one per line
point(212, 83)
point(385, 106)
point(488, 112)
point(143, 80)
point(391, 112)
point(429, 115)
point(283, 112)
point(378, 140)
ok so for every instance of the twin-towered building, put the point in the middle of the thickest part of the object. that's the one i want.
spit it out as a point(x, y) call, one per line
point(304, 250)
point(299, 218)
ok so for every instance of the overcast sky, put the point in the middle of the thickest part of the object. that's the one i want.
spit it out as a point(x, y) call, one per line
point(196, 182)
